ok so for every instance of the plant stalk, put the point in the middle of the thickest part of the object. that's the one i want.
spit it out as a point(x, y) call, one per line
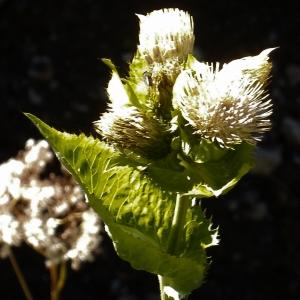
point(62, 277)
point(20, 276)
point(181, 206)
point(58, 279)
point(53, 278)
point(163, 296)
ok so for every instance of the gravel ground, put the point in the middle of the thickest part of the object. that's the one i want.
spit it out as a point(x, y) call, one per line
point(49, 66)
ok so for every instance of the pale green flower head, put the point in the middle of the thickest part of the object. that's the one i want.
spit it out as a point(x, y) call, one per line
point(226, 105)
point(166, 34)
point(127, 125)
point(135, 131)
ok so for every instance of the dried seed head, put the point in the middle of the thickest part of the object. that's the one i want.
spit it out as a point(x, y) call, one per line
point(9, 232)
point(57, 226)
point(49, 214)
point(226, 106)
point(166, 34)
point(14, 174)
point(134, 130)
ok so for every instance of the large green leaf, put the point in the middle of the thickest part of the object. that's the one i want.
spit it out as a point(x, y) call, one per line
point(138, 212)
point(216, 177)
point(210, 178)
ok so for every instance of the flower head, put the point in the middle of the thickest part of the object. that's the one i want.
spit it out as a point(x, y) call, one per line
point(166, 34)
point(134, 130)
point(226, 106)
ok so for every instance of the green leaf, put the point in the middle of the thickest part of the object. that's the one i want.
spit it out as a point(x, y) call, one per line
point(110, 64)
point(137, 80)
point(138, 212)
point(213, 177)
point(216, 177)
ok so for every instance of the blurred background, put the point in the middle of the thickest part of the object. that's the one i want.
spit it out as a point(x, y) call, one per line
point(50, 66)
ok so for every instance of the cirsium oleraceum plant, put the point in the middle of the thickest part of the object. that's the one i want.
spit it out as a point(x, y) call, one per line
point(176, 130)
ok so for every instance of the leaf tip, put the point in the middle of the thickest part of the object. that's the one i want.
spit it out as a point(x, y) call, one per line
point(44, 129)
point(30, 116)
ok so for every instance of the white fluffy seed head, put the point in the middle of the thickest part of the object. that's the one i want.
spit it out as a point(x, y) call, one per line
point(166, 34)
point(49, 214)
point(226, 106)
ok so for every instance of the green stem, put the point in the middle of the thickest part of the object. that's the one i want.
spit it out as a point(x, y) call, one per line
point(53, 279)
point(58, 279)
point(19, 275)
point(163, 296)
point(62, 277)
point(181, 206)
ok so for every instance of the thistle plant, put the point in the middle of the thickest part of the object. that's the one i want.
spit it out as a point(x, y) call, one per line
point(176, 131)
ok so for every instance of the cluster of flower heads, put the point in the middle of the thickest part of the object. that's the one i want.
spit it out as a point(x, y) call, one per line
point(48, 213)
point(226, 105)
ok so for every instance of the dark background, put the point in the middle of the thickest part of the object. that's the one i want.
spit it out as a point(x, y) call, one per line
point(49, 66)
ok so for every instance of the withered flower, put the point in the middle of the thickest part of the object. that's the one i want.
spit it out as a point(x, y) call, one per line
point(48, 213)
